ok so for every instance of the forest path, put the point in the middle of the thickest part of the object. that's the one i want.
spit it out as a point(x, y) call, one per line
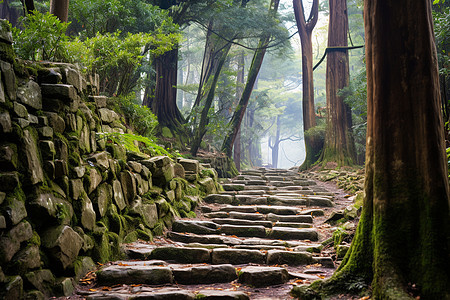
point(253, 241)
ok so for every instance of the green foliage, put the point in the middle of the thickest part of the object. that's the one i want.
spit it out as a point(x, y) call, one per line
point(140, 117)
point(41, 36)
point(448, 161)
point(137, 143)
point(441, 19)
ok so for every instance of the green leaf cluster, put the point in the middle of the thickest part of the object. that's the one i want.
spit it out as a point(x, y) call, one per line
point(140, 117)
point(39, 37)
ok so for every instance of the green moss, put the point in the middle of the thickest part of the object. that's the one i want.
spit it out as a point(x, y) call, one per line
point(115, 250)
point(145, 234)
point(131, 237)
point(158, 230)
point(7, 54)
point(102, 250)
point(35, 240)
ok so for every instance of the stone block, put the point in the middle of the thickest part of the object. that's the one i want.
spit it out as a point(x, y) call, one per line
point(87, 213)
point(128, 185)
point(45, 132)
point(9, 181)
point(181, 254)
point(237, 256)
point(100, 160)
point(8, 157)
point(93, 181)
point(20, 110)
point(5, 32)
point(5, 122)
point(65, 92)
point(179, 170)
point(47, 150)
point(41, 280)
point(107, 115)
point(208, 185)
point(205, 274)
point(50, 75)
point(191, 165)
point(26, 259)
point(33, 119)
point(61, 168)
point(63, 244)
point(47, 208)
point(30, 95)
point(13, 288)
point(9, 79)
point(118, 195)
point(148, 212)
point(263, 276)
point(22, 122)
point(102, 198)
point(10, 241)
point(15, 211)
point(100, 101)
point(111, 275)
point(56, 122)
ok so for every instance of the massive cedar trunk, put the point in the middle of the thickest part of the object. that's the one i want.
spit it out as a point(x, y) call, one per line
point(258, 57)
point(313, 144)
point(403, 235)
point(60, 8)
point(339, 145)
point(164, 104)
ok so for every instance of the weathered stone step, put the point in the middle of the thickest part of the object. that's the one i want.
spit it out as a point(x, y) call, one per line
point(199, 227)
point(290, 218)
point(249, 177)
point(300, 201)
point(135, 274)
point(258, 187)
point(237, 256)
point(204, 274)
point(279, 210)
point(246, 216)
point(181, 254)
point(243, 231)
point(249, 200)
point(263, 276)
point(287, 233)
point(293, 225)
point(282, 183)
point(145, 292)
point(233, 187)
point(267, 224)
point(252, 192)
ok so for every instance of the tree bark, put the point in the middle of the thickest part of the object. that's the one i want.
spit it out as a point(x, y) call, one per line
point(403, 236)
point(164, 104)
point(235, 123)
point(339, 146)
point(8, 12)
point(313, 144)
point(60, 8)
point(237, 154)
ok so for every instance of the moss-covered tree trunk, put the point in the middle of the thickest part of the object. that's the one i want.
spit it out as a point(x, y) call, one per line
point(313, 145)
point(339, 146)
point(403, 236)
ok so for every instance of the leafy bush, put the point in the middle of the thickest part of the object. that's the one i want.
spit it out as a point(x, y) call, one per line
point(40, 37)
point(140, 117)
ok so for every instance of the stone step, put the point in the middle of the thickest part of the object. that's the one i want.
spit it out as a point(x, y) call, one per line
point(134, 274)
point(243, 231)
point(252, 192)
point(281, 183)
point(279, 210)
point(267, 224)
point(249, 200)
point(246, 216)
point(199, 227)
point(293, 225)
point(234, 187)
point(290, 218)
point(287, 233)
point(243, 208)
point(181, 254)
point(263, 276)
point(257, 187)
point(249, 177)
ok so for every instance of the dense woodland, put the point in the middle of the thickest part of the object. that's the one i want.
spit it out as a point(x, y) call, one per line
point(243, 78)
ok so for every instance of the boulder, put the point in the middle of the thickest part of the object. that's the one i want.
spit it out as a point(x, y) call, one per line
point(208, 185)
point(20, 110)
point(30, 95)
point(26, 259)
point(107, 115)
point(63, 244)
point(94, 180)
point(87, 213)
point(102, 198)
point(9, 78)
point(100, 160)
point(56, 122)
point(13, 288)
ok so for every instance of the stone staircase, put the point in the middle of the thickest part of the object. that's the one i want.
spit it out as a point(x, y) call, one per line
point(252, 241)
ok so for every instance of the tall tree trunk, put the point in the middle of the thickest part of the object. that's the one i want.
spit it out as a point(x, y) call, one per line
point(204, 120)
point(164, 104)
point(403, 236)
point(313, 144)
point(60, 8)
point(235, 123)
point(339, 146)
point(276, 144)
point(239, 89)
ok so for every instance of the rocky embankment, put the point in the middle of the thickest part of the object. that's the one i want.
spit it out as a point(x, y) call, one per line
point(269, 230)
point(69, 195)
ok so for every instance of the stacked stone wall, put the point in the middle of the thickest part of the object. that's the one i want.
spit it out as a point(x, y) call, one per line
point(69, 196)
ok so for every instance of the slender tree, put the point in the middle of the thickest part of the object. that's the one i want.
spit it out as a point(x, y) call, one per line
point(235, 122)
point(339, 146)
point(313, 144)
point(403, 237)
